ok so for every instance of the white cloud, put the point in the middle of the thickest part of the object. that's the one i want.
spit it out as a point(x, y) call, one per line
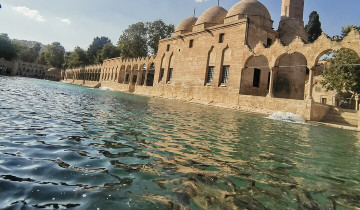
point(200, 1)
point(32, 14)
point(66, 20)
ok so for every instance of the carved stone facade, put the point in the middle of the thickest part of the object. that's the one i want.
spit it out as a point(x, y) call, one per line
point(33, 70)
point(232, 58)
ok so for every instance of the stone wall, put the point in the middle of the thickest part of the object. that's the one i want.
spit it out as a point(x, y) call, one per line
point(185, 70)
point(318, 111)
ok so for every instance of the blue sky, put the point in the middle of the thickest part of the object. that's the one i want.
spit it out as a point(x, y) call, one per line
point(77, 22)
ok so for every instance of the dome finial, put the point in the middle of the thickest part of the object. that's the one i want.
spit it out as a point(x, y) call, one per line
point(194, 11)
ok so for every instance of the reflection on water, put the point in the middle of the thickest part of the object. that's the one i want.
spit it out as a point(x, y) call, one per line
point(64, 146)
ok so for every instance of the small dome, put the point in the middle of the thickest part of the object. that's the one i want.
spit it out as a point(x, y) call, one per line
point(249, 7)
point(213, 15)
point(187, 24)
point(52, 70)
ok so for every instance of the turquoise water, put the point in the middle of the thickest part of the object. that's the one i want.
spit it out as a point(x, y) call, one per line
point(66, 146)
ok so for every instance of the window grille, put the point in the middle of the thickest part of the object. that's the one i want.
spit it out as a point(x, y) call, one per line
point(225, 74)
point(210, 75)
point(170, 74)
point(161, 75)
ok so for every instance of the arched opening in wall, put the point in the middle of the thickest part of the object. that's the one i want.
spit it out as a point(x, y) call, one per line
point(135, 73)
point(291, 74)
point(337, 78)
point(150, 75)
point(255, 77)
point(162, 69)
point(225, 67)
point(169, 76)
point(127, 74)
point(210, 67)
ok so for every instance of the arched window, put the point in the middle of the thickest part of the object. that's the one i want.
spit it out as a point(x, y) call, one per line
point(225, 70)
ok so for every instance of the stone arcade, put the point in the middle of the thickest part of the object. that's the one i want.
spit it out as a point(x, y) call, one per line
point(230, 57)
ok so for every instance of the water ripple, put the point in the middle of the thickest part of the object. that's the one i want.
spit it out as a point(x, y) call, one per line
point(70, 147)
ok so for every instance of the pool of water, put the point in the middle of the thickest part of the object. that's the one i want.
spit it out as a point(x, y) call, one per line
point(66, 146)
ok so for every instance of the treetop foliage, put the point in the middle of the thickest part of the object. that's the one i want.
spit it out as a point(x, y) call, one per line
point(341, 75)
point(138, 40)
point(95, 47)
point(313, 28)
point(142, 39)
point(346, 30)
point(7, 49)
point(54, 54)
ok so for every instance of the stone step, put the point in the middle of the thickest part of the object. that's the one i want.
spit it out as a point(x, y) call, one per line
point(337, 117)
point(342, 122)
point(341, 116)
point(344, 114)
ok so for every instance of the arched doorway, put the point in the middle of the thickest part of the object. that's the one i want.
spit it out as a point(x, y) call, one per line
point(337, 78)
point(291, 73)
point(255, 77)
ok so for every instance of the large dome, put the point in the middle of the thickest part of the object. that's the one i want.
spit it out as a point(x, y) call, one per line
point(214, 15)
point(249, 7)
point(187, 24)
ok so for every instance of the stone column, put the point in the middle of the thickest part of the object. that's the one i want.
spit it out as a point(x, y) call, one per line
point(271, 85)
point(311, 78)
point(138, 78)
point(358, 119)
point(357, 102)
point(146, 75)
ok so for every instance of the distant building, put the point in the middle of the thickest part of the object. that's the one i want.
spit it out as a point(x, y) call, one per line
point(33, 70)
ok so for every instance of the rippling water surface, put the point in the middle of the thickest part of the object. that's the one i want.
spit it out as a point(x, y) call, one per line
point(65, 146)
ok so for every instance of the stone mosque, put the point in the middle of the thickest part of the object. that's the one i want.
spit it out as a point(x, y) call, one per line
point(234, 58)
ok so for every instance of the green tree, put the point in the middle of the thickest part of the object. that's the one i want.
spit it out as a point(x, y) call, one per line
point(133, 42)
point(346, 30)
point(66, 60)
point(7, 49)
point(341, 76)
point(107, 52)
point(29, 54)
point(54, 54)
point(41, 59)
point(76, 58)
point(158, 30)
point(95, 47)
point(313, 28)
